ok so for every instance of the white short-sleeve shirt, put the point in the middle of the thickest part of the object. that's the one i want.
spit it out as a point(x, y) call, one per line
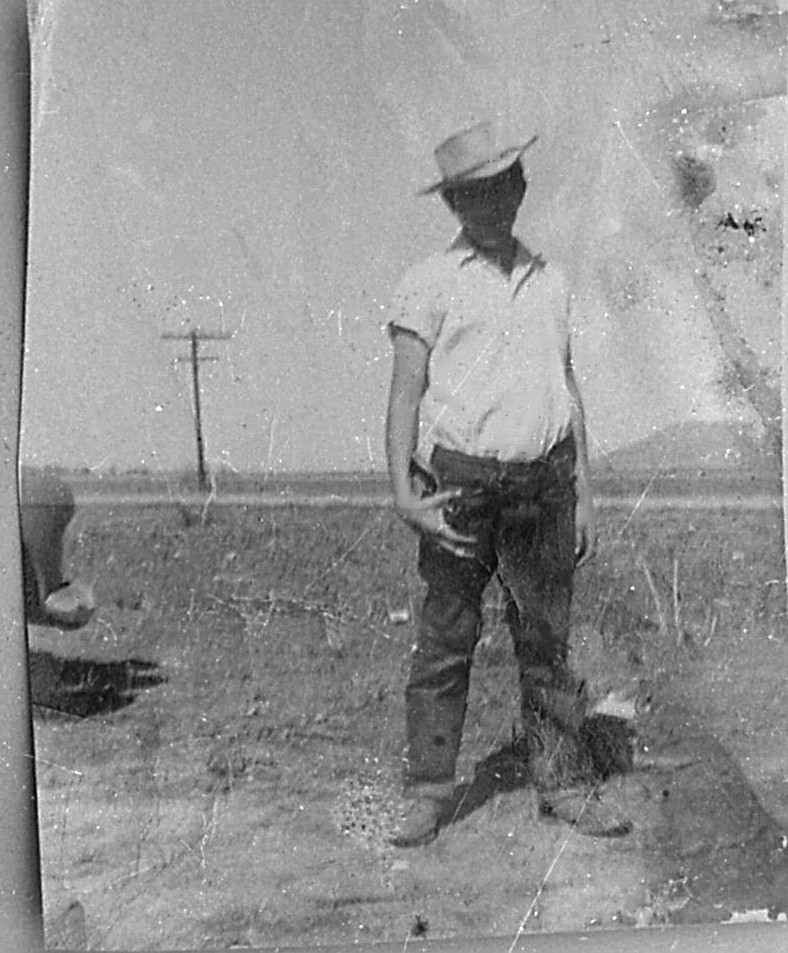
point(498, 346)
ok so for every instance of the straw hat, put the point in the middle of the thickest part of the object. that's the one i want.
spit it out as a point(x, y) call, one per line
point(472, 154)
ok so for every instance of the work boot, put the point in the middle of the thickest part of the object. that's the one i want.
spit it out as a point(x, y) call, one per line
point(419, 823)
point(586, 811)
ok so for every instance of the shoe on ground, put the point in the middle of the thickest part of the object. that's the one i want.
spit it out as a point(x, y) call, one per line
point(419, 823)
point(71, 606)
point(587, 812)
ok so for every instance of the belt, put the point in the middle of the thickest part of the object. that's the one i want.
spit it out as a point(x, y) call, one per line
point(496, 470)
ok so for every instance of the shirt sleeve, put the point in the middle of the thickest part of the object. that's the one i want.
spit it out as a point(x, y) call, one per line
point(416, 304)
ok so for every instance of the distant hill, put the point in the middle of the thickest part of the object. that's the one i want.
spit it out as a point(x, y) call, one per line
point(704, 455)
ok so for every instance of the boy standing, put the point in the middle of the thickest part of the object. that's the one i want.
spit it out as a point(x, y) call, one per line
point(482, 369)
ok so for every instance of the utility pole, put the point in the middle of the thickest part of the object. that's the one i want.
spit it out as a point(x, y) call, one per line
point(195, 337)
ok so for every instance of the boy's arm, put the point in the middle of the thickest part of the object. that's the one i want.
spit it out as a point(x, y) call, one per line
point(585, 519)
point(408, 384)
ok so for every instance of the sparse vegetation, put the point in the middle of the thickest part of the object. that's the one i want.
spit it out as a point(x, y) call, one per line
point(236, 790)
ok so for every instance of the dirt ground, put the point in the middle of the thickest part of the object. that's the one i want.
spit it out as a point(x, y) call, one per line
point(218, 751)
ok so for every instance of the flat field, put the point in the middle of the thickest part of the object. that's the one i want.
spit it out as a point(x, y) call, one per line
point(218, 751)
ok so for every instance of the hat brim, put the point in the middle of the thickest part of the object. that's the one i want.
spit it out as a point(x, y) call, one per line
point(484, 170)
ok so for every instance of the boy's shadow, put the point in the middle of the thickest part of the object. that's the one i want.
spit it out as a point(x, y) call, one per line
point(502, 771)
point(85, 687)
point(605, 740)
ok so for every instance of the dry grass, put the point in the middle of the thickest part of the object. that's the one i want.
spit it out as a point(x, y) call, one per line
point(279, 712)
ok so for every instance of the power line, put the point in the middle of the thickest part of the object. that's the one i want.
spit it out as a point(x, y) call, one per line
point(194, 357)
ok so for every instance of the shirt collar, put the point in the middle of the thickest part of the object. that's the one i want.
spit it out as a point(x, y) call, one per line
point(522, 257)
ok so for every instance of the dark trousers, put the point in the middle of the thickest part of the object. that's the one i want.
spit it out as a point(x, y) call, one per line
point(522, 515)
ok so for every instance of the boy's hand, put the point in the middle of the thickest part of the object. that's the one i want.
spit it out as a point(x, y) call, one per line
point(425, 514)
point(585, 528)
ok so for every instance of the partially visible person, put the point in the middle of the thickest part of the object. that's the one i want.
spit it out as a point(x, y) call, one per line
point(47, 509)
point(486, 449)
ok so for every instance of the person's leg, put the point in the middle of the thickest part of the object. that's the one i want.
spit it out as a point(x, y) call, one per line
point(535, 543)
point(536, 573)
point(447, 634)
point(437, 689)
point(47, 509)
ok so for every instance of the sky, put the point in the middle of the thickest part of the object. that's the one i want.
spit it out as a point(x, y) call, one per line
point(250, 168)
